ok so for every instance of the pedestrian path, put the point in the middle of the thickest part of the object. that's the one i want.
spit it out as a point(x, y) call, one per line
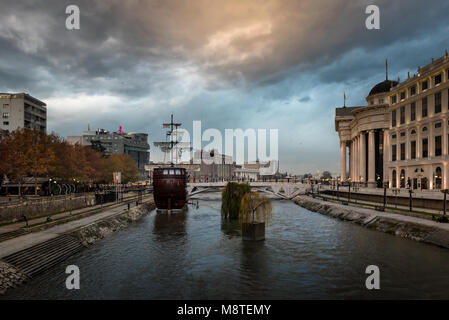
point(28, 240)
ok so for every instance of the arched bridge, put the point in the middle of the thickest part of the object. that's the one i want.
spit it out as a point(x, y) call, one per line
point(283, 190)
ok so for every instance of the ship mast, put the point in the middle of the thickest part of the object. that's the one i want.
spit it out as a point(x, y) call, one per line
point(172, 144)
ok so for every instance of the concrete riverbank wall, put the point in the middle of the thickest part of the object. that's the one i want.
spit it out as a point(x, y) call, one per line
point(16, 268)
point(402, 199)
point(399, 225)
point(44, 206)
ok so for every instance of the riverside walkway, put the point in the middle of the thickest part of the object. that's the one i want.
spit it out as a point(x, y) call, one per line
point(28, 240)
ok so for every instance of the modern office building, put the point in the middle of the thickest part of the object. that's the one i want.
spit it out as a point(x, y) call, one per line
point(134, 144)
point(20, 110)
point(400, 137)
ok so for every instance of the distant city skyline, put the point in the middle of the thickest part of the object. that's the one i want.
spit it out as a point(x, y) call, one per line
point(236, 64)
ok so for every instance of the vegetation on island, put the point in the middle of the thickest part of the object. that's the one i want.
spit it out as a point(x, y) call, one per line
point(231, 199)
point(254, 208)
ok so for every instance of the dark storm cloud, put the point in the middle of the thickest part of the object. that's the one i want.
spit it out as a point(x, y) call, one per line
point(230, 63)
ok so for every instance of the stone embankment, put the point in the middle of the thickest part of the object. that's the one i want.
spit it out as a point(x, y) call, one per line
point(98, 230)
point(17, 267)
point(10, 277)
point(396, 224)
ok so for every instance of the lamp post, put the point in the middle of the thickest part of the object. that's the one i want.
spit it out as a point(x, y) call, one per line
point(411, 199)
point(396, 191)
point(349, 189)
point(445, 192)
point(385, 194)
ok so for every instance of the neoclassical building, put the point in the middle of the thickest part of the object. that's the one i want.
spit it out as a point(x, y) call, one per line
point(400, 137)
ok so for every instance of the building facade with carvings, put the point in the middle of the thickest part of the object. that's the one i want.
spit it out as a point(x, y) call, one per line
point(400, 138)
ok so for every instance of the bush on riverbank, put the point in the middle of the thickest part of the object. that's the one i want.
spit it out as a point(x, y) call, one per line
point(231, 199)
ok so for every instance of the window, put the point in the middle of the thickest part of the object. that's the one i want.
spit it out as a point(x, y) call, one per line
point(425, 147)
point(438, 146)
point(424, 129)
point(393, 177)
point(178, 172)
point(5, 115)
point(402, 178)
point(413, 111)
point(402, 151)
point(413, 91)
point(413, 149)
point(424, 107)
point(402, 115)
point(393, 118)
point(393, 153)
point(5, 105)
point(413, 131)
point(172, 171)
point(381, 101)
point(438, 102)
point(165, 171)
point(393, 99)
point(424, 85)
point(393, 136)
point(372, 102)
point(402, 95)
point(437, 125)
point(403, 134)
point(438, 79)
point(6, 123)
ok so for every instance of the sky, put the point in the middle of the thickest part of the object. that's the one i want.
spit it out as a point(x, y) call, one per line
point(261, 64)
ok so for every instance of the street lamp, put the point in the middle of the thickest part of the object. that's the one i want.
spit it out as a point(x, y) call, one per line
point(445, 192)
point(396, 191)
point(411, 198)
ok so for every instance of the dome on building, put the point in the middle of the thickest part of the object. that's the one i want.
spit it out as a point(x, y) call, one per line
point(383, 87)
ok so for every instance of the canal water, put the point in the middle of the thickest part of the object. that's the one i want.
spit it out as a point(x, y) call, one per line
point(198, 256)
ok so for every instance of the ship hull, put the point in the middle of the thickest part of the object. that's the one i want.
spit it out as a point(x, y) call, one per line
point(170, 188)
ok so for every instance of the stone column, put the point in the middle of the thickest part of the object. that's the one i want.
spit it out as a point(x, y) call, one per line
point(445, 176)
point(342, 161)
point(444, 140)
point(350, 159)
point(371, 160)
point(356, 159)
point(386, 157)
point(431, 140)
point(408, 153)
point(362, 158)
point(418, 142)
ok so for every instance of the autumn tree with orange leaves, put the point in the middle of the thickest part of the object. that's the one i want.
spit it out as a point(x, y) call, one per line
point(32, 153)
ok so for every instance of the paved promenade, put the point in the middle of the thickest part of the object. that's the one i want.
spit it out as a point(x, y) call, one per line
point(28, 240)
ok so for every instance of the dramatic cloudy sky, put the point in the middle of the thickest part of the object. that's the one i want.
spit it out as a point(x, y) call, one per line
point(280, 64)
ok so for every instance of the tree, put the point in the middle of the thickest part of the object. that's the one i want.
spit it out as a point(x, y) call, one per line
point(231, 199)
point(254, 208)
point(123, 163)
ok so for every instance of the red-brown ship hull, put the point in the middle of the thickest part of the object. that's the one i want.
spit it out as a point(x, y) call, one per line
point(169, 187)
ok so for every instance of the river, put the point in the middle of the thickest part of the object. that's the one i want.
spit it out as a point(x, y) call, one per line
point(198, 256)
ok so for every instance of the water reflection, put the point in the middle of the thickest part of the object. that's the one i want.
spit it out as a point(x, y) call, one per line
point(170, 225)
point(231, 228)
point(197, 255)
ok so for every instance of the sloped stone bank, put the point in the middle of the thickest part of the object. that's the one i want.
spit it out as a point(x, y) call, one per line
point(98, 230)
point(10, 277)
point(399, 225)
